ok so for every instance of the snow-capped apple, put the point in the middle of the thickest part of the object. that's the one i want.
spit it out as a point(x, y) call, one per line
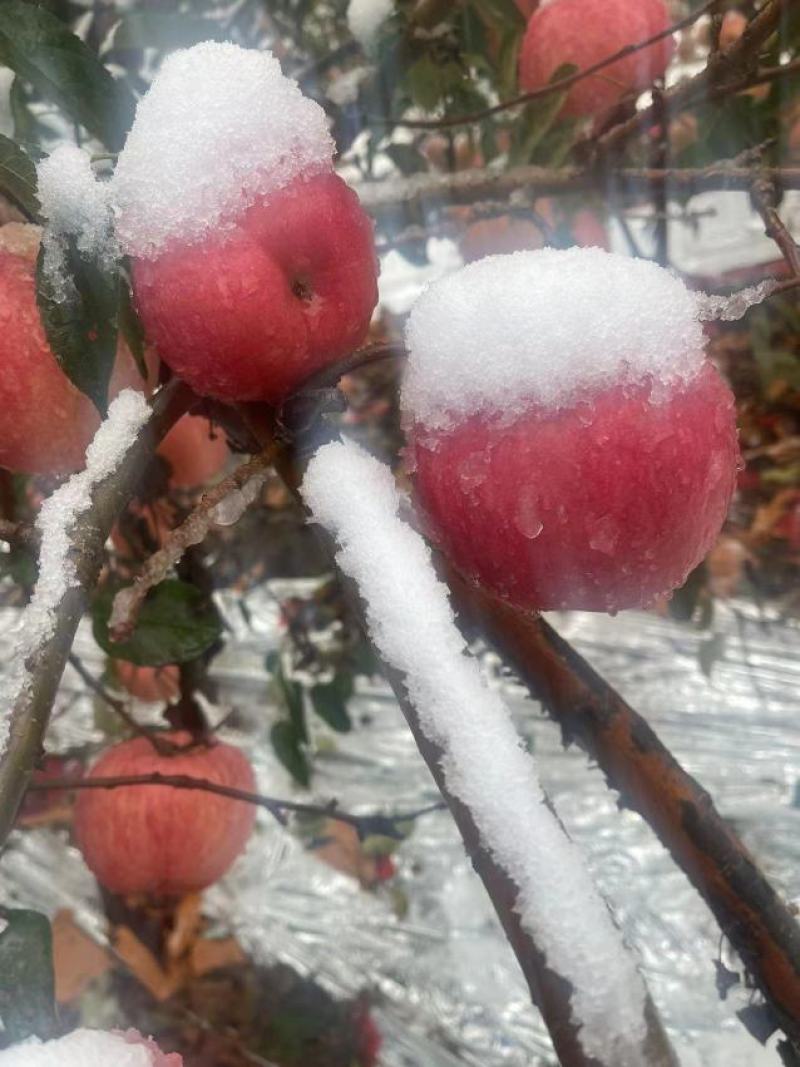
point(90, 1048)
point(46, 421)
point(571, 447)
point(580, 33)
point(254, 264)
point(159, 840)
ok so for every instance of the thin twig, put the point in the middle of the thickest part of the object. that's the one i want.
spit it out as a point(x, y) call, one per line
point(765, 200)
point(713, 80)
point(159, 743)
point(17, 533)
point(128, 601)
point(367, 825)
point(561, 85)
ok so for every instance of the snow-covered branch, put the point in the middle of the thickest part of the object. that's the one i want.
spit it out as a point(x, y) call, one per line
point(483, 768)
point(73, 525)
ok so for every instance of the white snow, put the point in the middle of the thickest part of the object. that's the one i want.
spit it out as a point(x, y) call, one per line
point(77, 205)
point(55, 522)
point(81, 1048)
point(365, 18)
point(541, 327)
point(219, 127)
point(411, 622)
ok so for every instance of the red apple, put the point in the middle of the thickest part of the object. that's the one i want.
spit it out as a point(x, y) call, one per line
point(248, 314)
point(584, 32)
point(158, 840)
point(148, 683)
point(195, 451)
point(46, 422)
point(499, 235)
point(603, 504)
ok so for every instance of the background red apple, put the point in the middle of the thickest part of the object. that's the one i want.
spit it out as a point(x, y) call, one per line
point(583, 32)
point(46, 422)
point(148, 683)
point(158, 840)
point(195, 451)
point(247, 315)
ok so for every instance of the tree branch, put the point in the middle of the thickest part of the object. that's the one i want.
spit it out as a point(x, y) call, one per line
point(719, 76)
point(651, 782)
point(366, 825)
point(31, 712)
point(128, 601)
point(765, 199)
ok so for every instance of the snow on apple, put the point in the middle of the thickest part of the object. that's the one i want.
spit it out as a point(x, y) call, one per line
point(580, 33)
point(571, 445)
point(411, 623)
point(55, 523)
point(157, 839)
point(90, 1048)
point(254, 263)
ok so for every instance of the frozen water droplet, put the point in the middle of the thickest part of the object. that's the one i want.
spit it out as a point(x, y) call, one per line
point(526, 516)
point(605, 534)
point(473, 470)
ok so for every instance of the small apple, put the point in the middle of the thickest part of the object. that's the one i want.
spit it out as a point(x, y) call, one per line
point(150, 684)
point(502, 234)
point(159, 840)
point(195, 451)
point(246, 315)
point(581, 33)
point(46, 422)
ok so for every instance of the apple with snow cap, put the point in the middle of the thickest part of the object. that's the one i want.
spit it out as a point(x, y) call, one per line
point(570, 444)
point(581, 33)
point(90, 1048)
point(253, 262)
point(158, 840)
point(46, 423)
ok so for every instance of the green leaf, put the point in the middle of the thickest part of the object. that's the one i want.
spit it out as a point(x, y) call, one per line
point(177, 624)
point(293, 699)
point(538, 120)
point(81, 324)
point(18, 177)
point(289, 749)
point(27, 984)
point(406, 157)
point(330, 702)
point(40, 48)
point(161, 30)
point(131, 326)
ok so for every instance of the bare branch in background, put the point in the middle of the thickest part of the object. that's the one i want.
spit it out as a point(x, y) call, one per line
point(128, 601)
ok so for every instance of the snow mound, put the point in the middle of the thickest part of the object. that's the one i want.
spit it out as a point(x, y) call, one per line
point(219, 127)
point(365, 18)
point(546, 327)
point(87, 1048)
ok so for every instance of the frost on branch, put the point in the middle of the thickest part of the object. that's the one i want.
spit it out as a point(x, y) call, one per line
point(411, 622)
point(219, 127)
point(89, 1048)
point(56, 521)
point(537, 327)
point(730, 308)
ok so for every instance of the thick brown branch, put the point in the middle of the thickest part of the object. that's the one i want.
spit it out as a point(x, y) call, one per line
point(382, 825)
point(559, 86)
point(30, 715)
point(765, 199)
point(650, 781)
point(128, 601)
